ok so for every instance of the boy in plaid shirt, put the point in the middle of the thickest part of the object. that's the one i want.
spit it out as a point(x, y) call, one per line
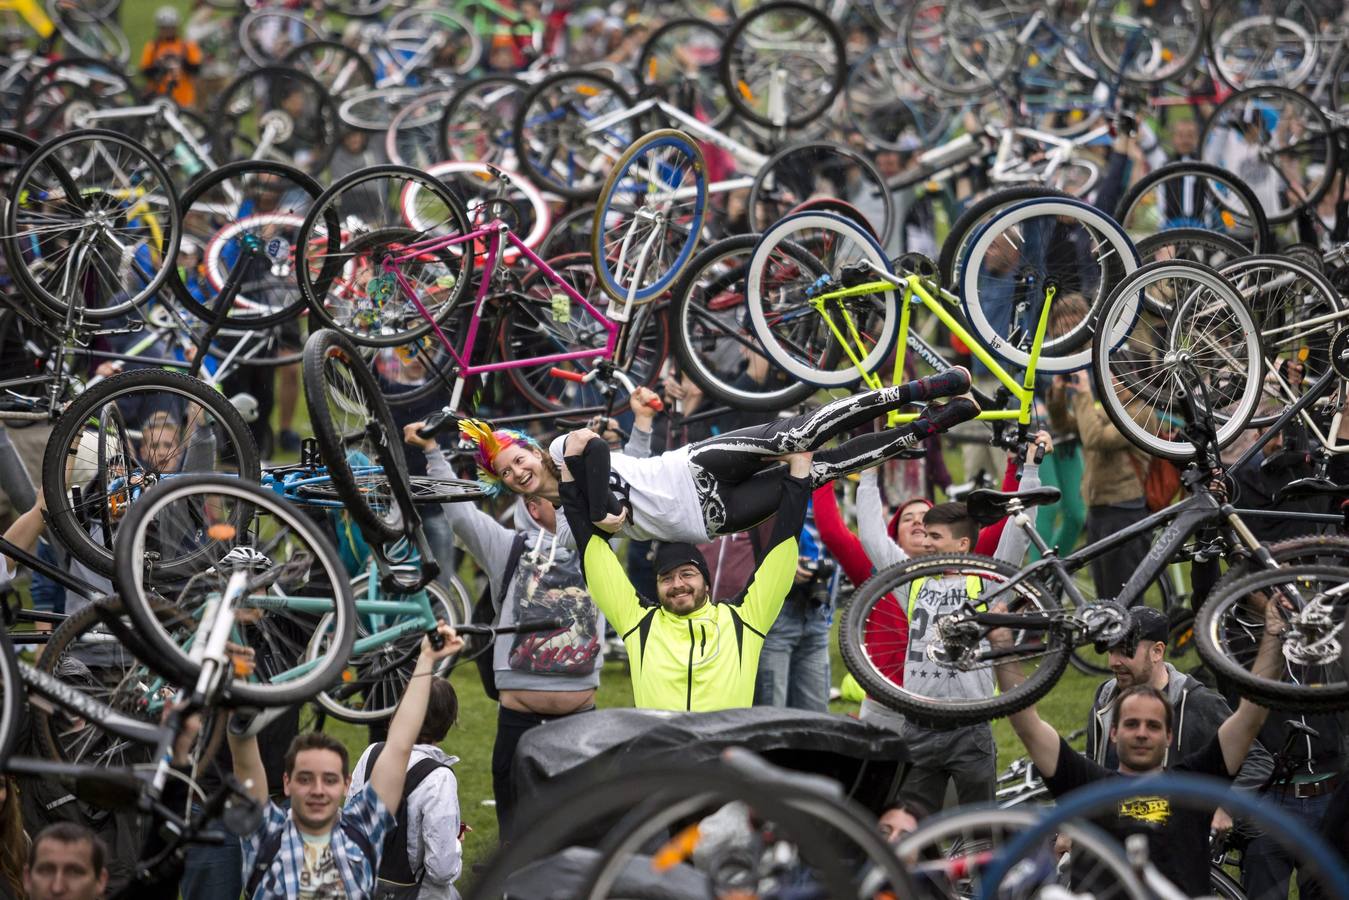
point(322, 848)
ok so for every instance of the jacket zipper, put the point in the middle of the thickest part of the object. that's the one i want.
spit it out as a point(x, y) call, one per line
point(688, 696)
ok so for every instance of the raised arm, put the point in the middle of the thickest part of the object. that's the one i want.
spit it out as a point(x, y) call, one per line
point(880, 549)
point(768, 589)
point(391, 768)
point(1041, 740)
point(1239, 731)
point(605, 577)
point(248, 768)
point(1014, 541)
point(836, 536)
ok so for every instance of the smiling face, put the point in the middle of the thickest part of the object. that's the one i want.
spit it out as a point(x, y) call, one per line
point(911, 535)
point(1140, 734)
point(522, 470)
point(681, 590)
point(316, 788)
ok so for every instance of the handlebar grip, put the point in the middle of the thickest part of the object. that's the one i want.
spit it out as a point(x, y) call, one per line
point(566, 374)
point(1039, 453)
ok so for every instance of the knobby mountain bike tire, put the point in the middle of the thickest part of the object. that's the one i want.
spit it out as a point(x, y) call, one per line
point(877, 627)
point(12, 694)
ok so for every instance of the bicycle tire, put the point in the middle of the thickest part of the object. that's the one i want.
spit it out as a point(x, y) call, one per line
point(1194, 244)
point(422, 489)
point(605, 209)
point(51, 742)
point(1321, 146)
point(95, 36)
point(261, 56)
point(1217, 40)
point(449, 601)
point(199, 188)
point(1071, 350)
point(1175, 63)
point(739, 92)
point(975, 215)
point(464, 95)
point(325, 345)
point(166, 655)
point(620, 135)
point(873, 187)
point(12, 697)
point(62, 514)
point(945, 712)
point(142, 168)
point(781, 356)
point(1120, 312)
point(354, 74)
point(689, 347)
point(1261, 238)
point(708, 101)
point(1318, 696)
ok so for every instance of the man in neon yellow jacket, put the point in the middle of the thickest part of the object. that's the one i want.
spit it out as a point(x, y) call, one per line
point(686, 652)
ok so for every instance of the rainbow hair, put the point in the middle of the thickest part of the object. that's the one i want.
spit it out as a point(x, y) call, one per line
point(490, 442)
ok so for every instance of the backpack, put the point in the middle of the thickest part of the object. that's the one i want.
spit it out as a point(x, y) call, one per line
point(395, 879)
point(1160, 480)
point(485, 613)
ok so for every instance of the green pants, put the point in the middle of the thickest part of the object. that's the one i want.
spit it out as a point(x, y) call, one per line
point(1061, 524)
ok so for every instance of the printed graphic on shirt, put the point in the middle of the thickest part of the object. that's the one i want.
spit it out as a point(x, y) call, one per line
point(1152, 810)
point(551, 593)
point(320, 878)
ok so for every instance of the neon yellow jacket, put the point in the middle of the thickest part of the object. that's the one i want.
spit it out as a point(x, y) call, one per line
point(706, 660)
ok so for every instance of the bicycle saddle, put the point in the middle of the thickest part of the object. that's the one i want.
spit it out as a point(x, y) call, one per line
point(1312, 487)
point(987, 506)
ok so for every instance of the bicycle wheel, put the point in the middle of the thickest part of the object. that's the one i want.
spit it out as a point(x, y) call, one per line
point(1192, 244)
point(961, 47)
point(890, 106)
point(359, 283)
point(124, 434)
point(555, 143)
point(711, 341)
point(12, 694)
point(1310, 550)
point(374, 109)
point(373, 682)
point(86, 654)
point(950, 851)
point(522, 206)
point(1278, 47)
point(1196, 319)
point(776, 44)
point(339, 68)
point(1194, 195)
point(801, 172)
point(356, 434)
point(276, 113)
point(1062, 254)
point(247, 216)
point(92, 221)
point(954, 248)
point(476, 124)
point(267, 34)
point(1298, 313)
point(880, 627)
point(235, 527)
point(88, 34)
point(454, 44)
point(649, 216)
point(1145, 41)
point(1278, 142)
point(679, 63)
point(779, 292)
point(414, 135)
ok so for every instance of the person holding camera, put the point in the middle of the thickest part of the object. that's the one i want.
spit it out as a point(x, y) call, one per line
point(794, 663)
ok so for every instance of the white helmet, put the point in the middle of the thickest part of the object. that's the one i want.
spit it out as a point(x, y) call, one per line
point(167, 17)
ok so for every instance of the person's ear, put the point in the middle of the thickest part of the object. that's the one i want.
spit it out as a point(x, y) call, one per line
point(285, 783)
point(103, 881)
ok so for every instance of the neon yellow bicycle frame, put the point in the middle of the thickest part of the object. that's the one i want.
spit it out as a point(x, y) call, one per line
point(32, 13)
point(916, 294)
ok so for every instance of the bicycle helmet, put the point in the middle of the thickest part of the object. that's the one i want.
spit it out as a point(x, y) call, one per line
point(167, 17)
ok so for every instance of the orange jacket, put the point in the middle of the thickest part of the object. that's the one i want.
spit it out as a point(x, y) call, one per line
point(158, 61)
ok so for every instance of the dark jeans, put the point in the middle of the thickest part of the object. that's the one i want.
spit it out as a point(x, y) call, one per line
point(511, 726)
point(213, 872)
point(1268, 863)
point(966, 757)
point(1111, 570)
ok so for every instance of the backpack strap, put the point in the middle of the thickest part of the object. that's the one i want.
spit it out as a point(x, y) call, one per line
point(394, 864)
point(267, 853)
point(485, 613)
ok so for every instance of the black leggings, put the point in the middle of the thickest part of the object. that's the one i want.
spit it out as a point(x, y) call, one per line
point(739, 482)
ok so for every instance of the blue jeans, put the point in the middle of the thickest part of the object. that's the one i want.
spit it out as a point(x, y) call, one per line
point(794, 665)
point(214, 872)
point(1267, 864)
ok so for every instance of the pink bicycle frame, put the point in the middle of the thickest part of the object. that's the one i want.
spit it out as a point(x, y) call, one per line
point(494, 231)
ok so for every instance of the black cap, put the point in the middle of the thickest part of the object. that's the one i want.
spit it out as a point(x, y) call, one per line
point(1149, 625)
point(670, 555)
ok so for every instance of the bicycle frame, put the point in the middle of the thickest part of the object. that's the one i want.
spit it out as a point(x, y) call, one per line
point(751, 159)
point(496, 232)
point(917, 294)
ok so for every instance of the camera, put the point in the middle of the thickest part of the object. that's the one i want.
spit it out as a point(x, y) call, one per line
point(821, 578)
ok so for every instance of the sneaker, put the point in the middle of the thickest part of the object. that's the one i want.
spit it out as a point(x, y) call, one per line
point(953, 381)
point(948, 415)
point(289, 441)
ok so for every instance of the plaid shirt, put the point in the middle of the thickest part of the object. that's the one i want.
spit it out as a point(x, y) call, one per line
point(364, 811)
